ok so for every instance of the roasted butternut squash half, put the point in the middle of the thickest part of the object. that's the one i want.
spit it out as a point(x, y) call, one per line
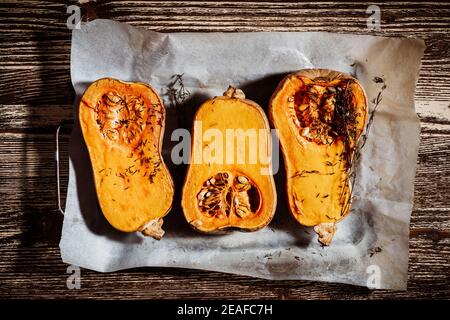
point(123, 127)
point(229, 182)
point(319, 115)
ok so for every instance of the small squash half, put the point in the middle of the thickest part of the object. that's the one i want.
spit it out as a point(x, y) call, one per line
point(123, 127)
point(229, 182)
point(319, 115)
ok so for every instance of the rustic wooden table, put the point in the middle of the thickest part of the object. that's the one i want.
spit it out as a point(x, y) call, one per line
point(36, 94)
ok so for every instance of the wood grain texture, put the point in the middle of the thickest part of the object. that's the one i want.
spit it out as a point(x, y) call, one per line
point(35, 53)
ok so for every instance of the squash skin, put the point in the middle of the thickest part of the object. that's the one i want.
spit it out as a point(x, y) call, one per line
point(218, 113)
point(133, 185)
point(318, 183)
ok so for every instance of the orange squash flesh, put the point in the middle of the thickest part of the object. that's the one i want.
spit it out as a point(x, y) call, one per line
point(320, 116)
point(221, 194)
point(123, 127)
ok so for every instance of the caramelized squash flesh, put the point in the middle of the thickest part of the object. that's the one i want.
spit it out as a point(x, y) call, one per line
point(319, 115)
point(226, 186)
point(123, 126)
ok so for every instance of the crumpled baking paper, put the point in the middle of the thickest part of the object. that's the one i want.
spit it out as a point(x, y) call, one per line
point(370, 247)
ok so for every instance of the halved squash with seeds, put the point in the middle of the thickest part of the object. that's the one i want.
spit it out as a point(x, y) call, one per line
point(229, 183)
point(123, 127)
point(319, 115)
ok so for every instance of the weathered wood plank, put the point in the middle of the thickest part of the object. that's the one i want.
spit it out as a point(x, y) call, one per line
point(414, 18)
point(50, 50)
point(39, 52)
point(39, 118)
point(428, 279)
point(35, 53)
point(36, 86)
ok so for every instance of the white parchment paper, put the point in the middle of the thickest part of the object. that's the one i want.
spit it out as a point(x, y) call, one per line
point(371, 244)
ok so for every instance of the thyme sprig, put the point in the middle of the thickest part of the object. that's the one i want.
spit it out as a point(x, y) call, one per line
point(362, 142)
point(176, 91)
point(304, 173)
